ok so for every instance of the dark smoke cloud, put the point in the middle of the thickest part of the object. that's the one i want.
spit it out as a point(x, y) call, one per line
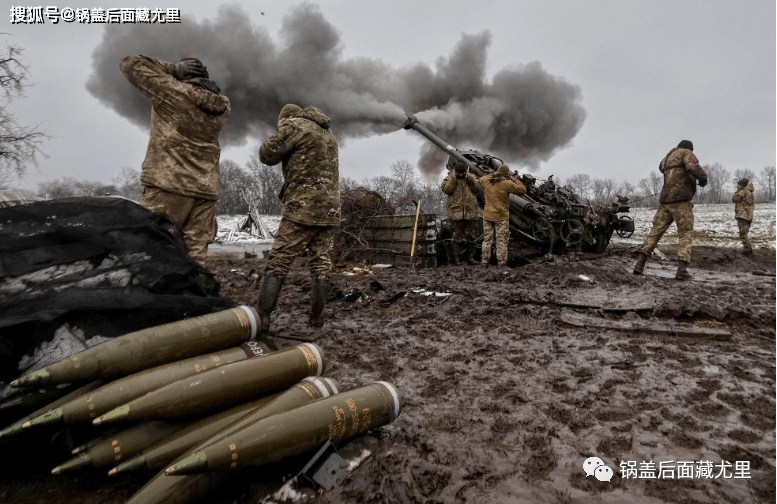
point(523, 115)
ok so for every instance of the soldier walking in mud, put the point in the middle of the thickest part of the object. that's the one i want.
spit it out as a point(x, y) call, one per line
point(681, 171)
point(497, 188)
point(180, 174)
point(310, 197)
point(744, 202)
point(462, 207)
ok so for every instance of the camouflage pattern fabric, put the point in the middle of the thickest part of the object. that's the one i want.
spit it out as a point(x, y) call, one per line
point(681, 171)
point(194, 217)
point(309, 153)
point(497, 190)
point(291, 240)
point(465, 230)
point(744, 229)
point(461, 203)
point(183, 148)
point(744, 202)
point(498, 231)
point(682, 214)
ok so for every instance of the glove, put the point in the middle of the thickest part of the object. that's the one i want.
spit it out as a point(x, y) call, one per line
point(702, 182)
point(190, 68)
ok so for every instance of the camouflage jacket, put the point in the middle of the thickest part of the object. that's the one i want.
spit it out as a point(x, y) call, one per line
point(311, 177)
point(744, 202)
point(461, 203)
point(497, 189)
point(183, 149)
point(681, 171)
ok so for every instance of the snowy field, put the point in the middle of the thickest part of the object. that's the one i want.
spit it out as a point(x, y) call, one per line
point(713, 225)
point(229, 229)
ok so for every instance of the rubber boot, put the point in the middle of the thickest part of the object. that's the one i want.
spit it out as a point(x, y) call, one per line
point(269, 289)
point(682, 272)
point(456, 253)
point(319, 292)
point(471, 248)
point(747, 253)
point(640, 266)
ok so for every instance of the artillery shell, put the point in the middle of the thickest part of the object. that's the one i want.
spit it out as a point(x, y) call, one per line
point(223, 386)
point(16, 428)
point(124, 390)
point(127, 443)
point(150, 347)
point(282, 435)
point(168, 449)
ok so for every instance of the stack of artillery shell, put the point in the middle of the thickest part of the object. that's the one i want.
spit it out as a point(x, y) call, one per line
point(225, 385)
point(150, 347)
point(183, 489)
point(87, 407)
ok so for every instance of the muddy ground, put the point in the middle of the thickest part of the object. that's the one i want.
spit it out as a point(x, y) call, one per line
point(503, 400)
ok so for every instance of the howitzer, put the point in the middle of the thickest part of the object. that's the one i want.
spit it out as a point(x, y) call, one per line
point(548, 217)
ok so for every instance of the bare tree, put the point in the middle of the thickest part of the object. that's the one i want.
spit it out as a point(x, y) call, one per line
point(19, 144)
point(650, 189)
point(580, 184)
point(69, 187)
point(767, 181)
point(127, 183)
point(348, 183)
point(717, 176)
point(233, 179)
point(626, 189)
point(406, 177)
point(264, 185)
point(387, 187)
point(741, 173)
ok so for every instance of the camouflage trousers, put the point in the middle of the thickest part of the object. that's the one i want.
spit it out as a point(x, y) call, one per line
point(744, 229)
point(464, 231)
point(499, 230)
point(194, 217)
point(291, 240)
point(680, 213)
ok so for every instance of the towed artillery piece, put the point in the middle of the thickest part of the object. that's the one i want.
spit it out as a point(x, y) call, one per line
point(548, 218)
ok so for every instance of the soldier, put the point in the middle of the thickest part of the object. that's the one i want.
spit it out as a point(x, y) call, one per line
point(311, 205)
point(497, 188)
point(681, 171)
point(462, 207)
point(743, 208)
point(180, 174)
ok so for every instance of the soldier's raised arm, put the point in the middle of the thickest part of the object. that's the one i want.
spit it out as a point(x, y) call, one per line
point(516, 186)
point(450, 183)
point(278, 146)
point(150, 76)
point(693, 168)
point(472, 183)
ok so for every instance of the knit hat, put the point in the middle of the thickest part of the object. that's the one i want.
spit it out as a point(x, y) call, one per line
point(503, 170)
point(460, 167)
point(685, 144)
point(744, 182)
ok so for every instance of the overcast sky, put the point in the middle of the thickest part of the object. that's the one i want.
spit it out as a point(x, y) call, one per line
point(646, 73)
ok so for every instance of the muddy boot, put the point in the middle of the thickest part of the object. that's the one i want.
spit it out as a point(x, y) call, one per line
point(448, 252)
point(682, 273)
point(456, 254)
point(640, 266)
point(269, 290)
point(319, 291)
point(471, 248)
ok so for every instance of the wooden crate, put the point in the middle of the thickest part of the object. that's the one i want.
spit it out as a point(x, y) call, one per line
point(392, 238)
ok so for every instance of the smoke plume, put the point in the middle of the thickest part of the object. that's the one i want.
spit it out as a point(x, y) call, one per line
point(524, 115)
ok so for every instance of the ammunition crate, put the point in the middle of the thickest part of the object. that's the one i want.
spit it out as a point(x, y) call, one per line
point(392, 238)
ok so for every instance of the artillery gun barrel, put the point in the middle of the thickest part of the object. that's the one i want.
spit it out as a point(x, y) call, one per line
point(517, 204)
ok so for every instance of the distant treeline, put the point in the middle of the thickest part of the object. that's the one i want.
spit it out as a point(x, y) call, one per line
point(258, 185)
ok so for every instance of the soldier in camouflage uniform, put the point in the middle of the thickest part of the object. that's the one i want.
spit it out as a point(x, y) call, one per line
point(681, 171)
point(180, 174)
point(497, 188)
point(310, 196)
point(462, 207)
point(744, 202)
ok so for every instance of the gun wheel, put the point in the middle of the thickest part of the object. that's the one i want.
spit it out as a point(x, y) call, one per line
point(572, 231)
point(625, 234)
point(541, 229)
